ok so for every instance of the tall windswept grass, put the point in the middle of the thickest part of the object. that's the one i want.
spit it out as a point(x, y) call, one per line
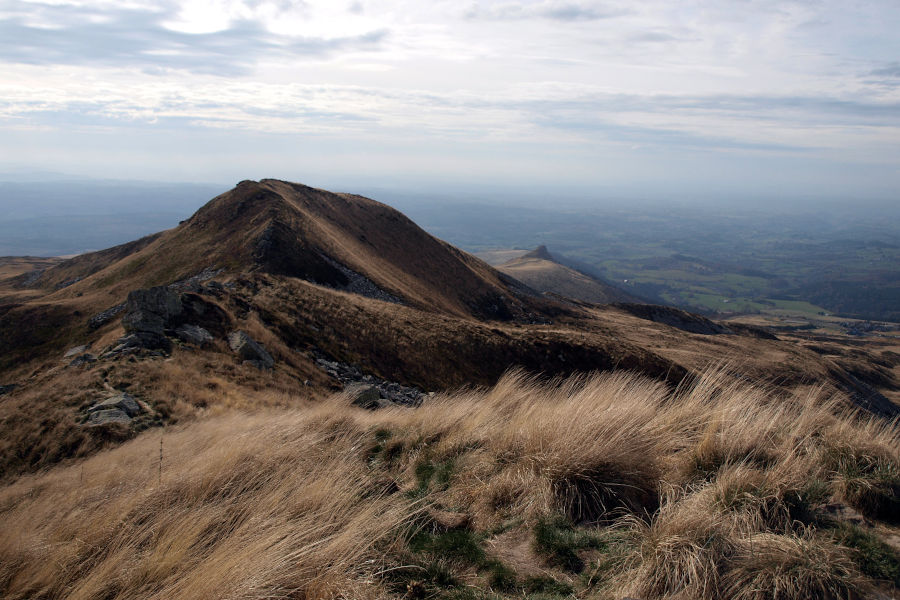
point(714, 490)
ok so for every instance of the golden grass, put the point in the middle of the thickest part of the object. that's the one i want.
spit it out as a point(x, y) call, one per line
point(709, 491)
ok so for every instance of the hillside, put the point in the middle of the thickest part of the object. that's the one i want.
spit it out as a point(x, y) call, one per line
point(275, 291)
point(539, 270)
point(599, 487)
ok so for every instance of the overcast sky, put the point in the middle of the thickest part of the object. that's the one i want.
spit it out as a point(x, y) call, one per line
point(726, 97)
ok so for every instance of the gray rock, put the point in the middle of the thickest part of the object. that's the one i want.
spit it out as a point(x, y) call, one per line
point(84, 359)
point(104, 317)
point(151, 310)
point(66, 284)
point(140, 340)
point(113, 415)
point(122, 402)
point(192, 334)
point(249, 350)
point(75, 351)
point(366, 396)
point(349, 374)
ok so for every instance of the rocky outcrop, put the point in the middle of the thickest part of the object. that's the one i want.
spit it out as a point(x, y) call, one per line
point(360, 284)
point(153, 315)
point(193, 334)
point(124, 402)
point(121, 408)
point(249, 350)
point(366, 396)
point(389, 391)
point(152, 310)
point(105, 316)
point(75, 351)
point(155, 343)
point(83, 359)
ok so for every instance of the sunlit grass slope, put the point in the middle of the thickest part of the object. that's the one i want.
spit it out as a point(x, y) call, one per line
point(597, 487)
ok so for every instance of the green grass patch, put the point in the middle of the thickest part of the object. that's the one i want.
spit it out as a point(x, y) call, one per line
point(870, 484)
point(415, 575)
point(376, 450)
point(460, 546)
point(559, 541)
point(874, 556)
point(431, 474)
point(547, 586)
point(501, 577)
point(802, 505)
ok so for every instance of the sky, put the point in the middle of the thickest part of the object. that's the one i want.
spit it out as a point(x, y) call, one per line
point(727, 98)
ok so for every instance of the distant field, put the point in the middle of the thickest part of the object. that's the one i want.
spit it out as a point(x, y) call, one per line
point(786, 262)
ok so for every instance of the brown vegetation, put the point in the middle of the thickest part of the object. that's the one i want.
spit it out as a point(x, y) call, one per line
point(717, 489)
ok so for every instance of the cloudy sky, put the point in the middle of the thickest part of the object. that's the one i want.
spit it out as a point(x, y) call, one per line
point(728, 97)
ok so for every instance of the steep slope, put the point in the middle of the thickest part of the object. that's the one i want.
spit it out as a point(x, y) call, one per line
point(539, 270)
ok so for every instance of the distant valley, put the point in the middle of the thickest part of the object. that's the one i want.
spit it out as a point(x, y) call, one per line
point(790, 262)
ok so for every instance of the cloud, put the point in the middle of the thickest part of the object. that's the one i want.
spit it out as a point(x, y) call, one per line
point(891, 70)
point(660, 136)
point(551, 9)
point(137, 37)
point(652, 36)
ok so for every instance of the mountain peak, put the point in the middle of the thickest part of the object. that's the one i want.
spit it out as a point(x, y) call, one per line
point(539, 252)
point(325, 238)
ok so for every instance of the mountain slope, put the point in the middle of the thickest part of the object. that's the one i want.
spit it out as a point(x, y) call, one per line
point(297, 231)
point(336, 289)
point(539, 270)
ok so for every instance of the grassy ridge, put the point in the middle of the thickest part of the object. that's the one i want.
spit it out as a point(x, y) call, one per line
point(600, 486)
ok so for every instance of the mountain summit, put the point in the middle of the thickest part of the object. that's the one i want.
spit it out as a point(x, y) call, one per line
point(342, 241)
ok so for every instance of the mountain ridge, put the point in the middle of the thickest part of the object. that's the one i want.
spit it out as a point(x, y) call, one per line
point(541, 271)
point(321, 279)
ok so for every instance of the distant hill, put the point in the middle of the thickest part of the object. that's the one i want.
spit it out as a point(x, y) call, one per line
point(539, 270)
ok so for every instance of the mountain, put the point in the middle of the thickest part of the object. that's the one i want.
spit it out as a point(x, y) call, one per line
point(539, 270)
point(278, 294)
point(293, 230)
point(302, 394)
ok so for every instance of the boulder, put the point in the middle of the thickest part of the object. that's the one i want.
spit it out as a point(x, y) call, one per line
point(123, 402)
point(113, 415)
point(104, 317)
point(192, 334)
point(138, 340)
point(75, 351)
point(83, 359)
point(366, 396)
point(151, 310)
point(198, 311)
point(249, 350)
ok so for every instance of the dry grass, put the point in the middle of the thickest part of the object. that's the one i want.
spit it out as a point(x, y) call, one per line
point(709, 491)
